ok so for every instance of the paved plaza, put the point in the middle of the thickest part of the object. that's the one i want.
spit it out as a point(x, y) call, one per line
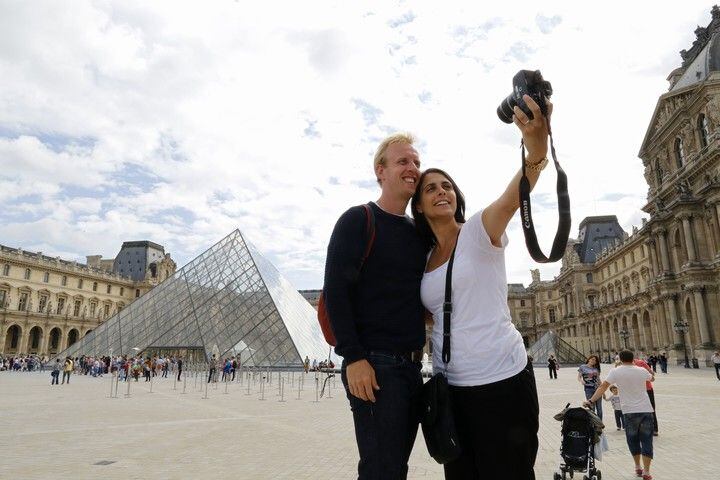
point(74, 431)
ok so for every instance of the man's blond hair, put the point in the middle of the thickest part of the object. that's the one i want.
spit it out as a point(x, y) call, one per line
point(399, 137)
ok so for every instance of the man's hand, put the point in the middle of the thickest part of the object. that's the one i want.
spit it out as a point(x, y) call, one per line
point(535, 131)
point(361, 380)
point(587, 404)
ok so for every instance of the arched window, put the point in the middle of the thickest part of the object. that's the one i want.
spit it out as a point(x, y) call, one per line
point(679, 153)
point(702, 126)
point(94, 286)
point(589, 277)
point(46, 277)
point(27, 274)
point(6, 270)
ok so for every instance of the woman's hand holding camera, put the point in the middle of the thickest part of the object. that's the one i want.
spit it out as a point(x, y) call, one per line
point(535, 132)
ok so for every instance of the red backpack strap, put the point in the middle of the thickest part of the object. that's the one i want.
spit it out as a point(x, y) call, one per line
point(369, 230)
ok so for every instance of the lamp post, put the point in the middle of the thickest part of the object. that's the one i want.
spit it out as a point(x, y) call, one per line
point(624, 334)
point(682, 327)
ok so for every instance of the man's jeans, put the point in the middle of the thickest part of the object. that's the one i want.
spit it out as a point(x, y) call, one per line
point(639, 433)
point(385, 431)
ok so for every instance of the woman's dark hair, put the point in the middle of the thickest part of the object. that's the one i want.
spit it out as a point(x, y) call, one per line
point(597, 361)
point(421, 223)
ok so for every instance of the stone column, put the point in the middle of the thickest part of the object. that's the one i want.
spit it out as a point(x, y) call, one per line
point(701, 318)
point(664, 257)
point(689, 240)
point(716, 218)
point(670, 302)
point(709, 234)
point(63, 340)
point(45, 341)
point(24, 340)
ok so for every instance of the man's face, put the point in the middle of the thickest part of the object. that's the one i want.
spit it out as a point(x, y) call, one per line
point(401, 170)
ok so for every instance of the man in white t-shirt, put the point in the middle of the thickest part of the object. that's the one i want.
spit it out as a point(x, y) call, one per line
point(636, 408)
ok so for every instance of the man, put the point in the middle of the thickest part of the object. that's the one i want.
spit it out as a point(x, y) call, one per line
point(650, 392)
point(55, 372)
point(211, 369)
point(716, 363)
point(179, 367)
point(376, 313)
point(636, 408)
point(67, 370)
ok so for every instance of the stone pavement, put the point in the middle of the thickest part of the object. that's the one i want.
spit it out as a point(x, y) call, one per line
point(63, 432)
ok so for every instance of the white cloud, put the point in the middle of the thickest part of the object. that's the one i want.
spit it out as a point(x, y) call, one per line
point(177, 122)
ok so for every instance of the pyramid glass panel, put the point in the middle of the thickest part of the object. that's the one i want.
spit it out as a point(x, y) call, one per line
point(228, 301)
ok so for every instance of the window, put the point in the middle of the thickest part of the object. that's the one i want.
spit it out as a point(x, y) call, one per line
point(549, 295)
point(94, 286)
point(46, 277)
point(76, 308)
point(3, 296)
point(63, 282)
point(591, 301)
point(80, 283)
point(107, 310)
point(22, 304)
point(6, 270)
point(60, 305)
point(551, 315)
point(679, 152)
point(27, 274)
point(632, 257)
point(43, 303)
point(137, 292)
point(522, 303)
point(589, 278)
point(702, 126)
point(122, 291)
point(109, 289)
point(93, 307)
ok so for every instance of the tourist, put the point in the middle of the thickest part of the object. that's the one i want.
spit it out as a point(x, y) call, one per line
point(179, 367)
point(716, 363)
point(614, 400)
point(650, 392)
point(492, 383)
point(636, 408)
point(306, 364)
point(552, 366)
point(211, 368)
point(589, 378)
point(376, 313)
point(67, 370)
point(663, 362)
point(55, 374)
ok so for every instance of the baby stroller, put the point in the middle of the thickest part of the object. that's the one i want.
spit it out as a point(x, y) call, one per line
point(580, 430)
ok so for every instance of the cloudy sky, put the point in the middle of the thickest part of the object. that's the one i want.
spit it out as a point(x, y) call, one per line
point(179, 122)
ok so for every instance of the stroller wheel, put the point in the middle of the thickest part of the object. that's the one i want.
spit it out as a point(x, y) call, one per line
point(556, 476)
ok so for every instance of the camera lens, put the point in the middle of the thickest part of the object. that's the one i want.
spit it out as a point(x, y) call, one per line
point(505, 110)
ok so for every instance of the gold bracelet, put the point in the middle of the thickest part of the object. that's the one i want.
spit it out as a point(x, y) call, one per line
point(537, 167)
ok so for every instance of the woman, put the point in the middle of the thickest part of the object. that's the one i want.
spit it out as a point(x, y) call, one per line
point(589, 378)
point(492, 384)
point(552, 366)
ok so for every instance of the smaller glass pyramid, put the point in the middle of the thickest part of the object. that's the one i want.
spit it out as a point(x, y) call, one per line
point(228, 301)
point(550, 343)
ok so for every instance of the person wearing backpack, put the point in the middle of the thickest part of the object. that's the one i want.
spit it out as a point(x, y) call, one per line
point(374, 308)
point(55, 372)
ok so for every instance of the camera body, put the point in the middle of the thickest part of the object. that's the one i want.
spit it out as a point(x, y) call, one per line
point(525, 82)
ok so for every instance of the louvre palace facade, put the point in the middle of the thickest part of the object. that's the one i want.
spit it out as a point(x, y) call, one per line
point(638, 289)
point(47, 303)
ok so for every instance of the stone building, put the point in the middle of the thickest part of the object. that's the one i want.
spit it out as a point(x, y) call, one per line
point(640, 289)
point(47, 304)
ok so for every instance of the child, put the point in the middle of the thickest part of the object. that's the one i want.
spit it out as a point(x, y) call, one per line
point(614, 399)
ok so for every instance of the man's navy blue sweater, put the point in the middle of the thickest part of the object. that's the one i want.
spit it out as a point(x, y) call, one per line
point(377, 307)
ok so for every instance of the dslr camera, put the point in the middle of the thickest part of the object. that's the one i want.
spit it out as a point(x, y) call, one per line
point(525, 82)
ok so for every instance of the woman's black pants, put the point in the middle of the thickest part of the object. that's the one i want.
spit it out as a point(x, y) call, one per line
point(497, 426)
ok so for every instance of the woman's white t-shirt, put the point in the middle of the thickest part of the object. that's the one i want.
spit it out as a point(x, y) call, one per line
point(485, 346)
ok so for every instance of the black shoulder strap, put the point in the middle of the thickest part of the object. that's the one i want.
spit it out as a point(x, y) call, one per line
point(564, 220)
point(447, 307)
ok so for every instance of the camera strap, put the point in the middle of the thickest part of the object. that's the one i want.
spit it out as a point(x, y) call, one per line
point(564, 220)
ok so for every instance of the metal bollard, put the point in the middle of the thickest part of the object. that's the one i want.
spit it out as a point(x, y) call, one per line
point(151, 382)
point(248, 384)
point(128, 389)
point(329, 385)
point(184, 373)
point(226, 386)
point(302, 381)
point(282, 390)
point(317, 390)
point(111, 386)
point(262, 390)
point(299, 389)
point(117, 383)
point(174, 381)
point(206, 390)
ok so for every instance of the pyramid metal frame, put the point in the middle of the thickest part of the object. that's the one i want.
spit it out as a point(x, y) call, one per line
point(551, 343)
point(228, 301)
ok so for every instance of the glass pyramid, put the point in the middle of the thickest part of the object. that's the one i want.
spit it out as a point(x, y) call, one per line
point(228, 301)
point(550, 343)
